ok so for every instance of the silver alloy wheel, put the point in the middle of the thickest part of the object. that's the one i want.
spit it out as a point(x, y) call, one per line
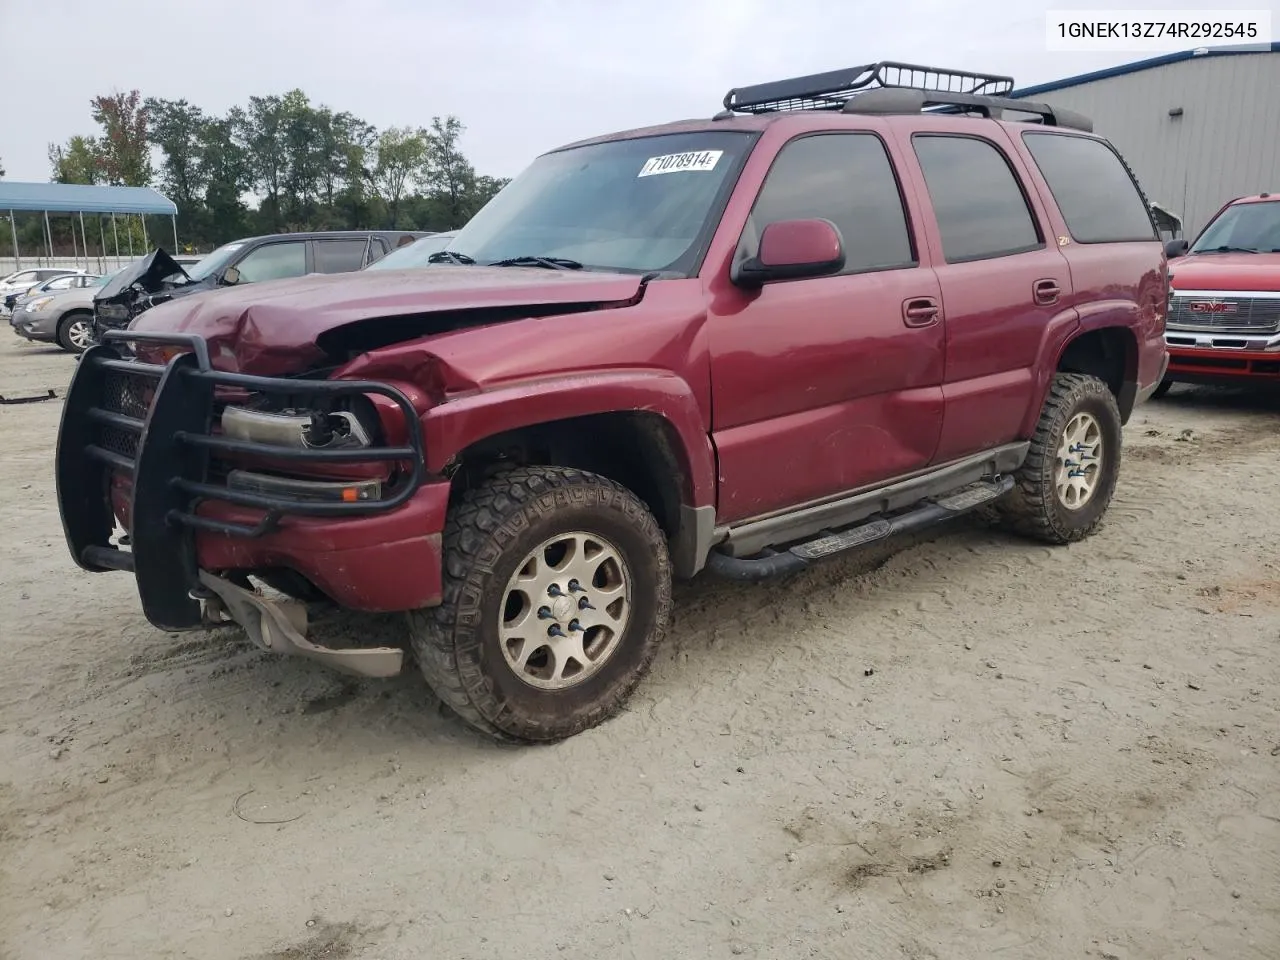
point(80, 334)
point(1079, 465)
point(565, 610)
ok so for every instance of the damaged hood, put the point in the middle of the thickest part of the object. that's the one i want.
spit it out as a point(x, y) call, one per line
point(288, 326)
point(149, 273)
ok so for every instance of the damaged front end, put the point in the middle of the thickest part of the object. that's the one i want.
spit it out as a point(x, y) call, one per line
point(154, 279)
point(211, 473)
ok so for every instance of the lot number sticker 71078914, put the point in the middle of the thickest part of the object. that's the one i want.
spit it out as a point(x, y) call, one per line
point(700, 161)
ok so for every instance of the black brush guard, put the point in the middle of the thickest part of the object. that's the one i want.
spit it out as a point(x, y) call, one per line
point(165, 446)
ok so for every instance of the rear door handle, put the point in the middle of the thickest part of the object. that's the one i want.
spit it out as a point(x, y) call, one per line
point(1047, 291)
point(921, 312)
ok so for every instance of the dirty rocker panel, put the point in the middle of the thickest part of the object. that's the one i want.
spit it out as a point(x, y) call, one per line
point(164, 443)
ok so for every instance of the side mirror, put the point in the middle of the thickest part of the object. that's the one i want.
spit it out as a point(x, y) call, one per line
point(793, 250)
point(231, 276)
point(1175, 248)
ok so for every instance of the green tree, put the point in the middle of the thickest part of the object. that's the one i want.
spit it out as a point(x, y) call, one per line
point(276, 162)
point(176, 128)
point(402, 154)
point(355, 149)
point(75, 162)
point(260, 131)
point(124, 151)
point(302, 130)
point(224, 167)
point(448, 174)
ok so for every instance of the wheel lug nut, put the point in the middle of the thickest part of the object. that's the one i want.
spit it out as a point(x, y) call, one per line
point(575, 587)
point(584, 604)
point(574, 625)
point(554, 590)
point(544, 613)
point(555, 631)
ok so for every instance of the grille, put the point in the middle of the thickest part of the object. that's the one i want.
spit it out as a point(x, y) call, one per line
point(1242, 314)
point(130, 395)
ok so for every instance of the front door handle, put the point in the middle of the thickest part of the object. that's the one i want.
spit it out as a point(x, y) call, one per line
point(921, 312)
point(1047, 292)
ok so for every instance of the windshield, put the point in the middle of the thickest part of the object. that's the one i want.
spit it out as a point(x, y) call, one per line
point(641, 205)
point(1251, 227)
point(214, 262)
point(414, 254)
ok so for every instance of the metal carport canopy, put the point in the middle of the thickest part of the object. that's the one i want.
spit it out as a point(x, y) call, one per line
point(80, 198)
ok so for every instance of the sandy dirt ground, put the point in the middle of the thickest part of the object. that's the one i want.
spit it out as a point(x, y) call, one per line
point(964, 747)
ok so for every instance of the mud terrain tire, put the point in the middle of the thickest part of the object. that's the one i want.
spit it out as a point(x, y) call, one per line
point(1036, 506)
point(503, 577)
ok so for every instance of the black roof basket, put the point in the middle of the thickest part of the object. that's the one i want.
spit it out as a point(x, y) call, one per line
point(889, 87)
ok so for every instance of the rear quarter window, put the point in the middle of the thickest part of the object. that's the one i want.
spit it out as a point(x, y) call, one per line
point(1098, 197)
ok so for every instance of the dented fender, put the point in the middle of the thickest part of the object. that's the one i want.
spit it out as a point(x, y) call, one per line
point(455, 425)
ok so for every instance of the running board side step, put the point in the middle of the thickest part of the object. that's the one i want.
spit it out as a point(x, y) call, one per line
point(799, 556)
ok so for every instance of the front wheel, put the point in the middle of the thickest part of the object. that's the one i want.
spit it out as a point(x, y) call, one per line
point(1065, 485)
point(557, 592)
point(75, 332)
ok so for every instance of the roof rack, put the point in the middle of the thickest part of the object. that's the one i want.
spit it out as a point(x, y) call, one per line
point(889, 87)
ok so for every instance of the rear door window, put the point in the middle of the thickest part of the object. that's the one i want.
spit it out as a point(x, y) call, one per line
point(274, 261)
point(980, 208)
point(338, 256)
point(1098, 198)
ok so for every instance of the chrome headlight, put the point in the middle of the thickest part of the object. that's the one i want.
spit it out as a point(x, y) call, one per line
point(308, 430)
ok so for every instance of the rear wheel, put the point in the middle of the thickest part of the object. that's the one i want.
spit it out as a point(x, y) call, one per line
point(75, 332)
point(557, 592)
point(1065, 485)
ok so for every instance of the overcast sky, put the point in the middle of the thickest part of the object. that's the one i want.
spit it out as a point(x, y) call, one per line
point(523, 75)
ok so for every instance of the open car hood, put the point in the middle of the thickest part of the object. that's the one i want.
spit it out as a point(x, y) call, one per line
point(149, 273)
point(288, 326)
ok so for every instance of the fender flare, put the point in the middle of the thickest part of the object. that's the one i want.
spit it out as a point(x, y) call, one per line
point(1091, 317)
point(455, 425)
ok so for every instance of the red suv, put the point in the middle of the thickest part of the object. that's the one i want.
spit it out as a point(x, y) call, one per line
point(1224, 314)
point(842, 308)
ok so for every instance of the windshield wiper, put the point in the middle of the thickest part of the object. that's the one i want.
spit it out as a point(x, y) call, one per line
point(450, 256)
point(1229, 249)
point(551, 263)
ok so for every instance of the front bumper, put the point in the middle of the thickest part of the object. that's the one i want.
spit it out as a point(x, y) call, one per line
point(1222, 359)
point(138, 443)
point(39, 327)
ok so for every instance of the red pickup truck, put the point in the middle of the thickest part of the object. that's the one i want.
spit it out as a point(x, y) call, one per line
point(848, 305)
point(1224, 315)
